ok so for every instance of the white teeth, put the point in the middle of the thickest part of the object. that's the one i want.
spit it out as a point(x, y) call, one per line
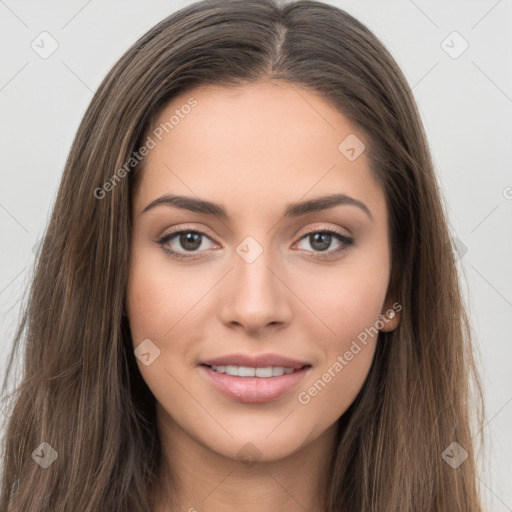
point(247, 371)
point(264, 372)
point(230, 370)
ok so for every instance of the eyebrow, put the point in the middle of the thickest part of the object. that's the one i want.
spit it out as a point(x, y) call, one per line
point(292, 210)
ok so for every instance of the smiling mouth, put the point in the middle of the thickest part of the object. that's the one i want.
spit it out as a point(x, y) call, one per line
point(254, 384)
point(263, 372)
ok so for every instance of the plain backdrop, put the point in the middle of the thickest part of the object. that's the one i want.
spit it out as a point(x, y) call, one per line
point(464, 96)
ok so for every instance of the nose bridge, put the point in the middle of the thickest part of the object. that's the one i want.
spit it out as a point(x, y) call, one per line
point(254, 297)
point(254, 282)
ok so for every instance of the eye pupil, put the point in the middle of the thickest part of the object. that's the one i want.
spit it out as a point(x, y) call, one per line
point(324, 240)
point(190, 241)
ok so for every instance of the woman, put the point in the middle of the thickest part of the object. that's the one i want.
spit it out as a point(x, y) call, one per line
point(246, 297)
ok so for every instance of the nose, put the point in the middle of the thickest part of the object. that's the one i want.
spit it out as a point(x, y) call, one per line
point(254, 297)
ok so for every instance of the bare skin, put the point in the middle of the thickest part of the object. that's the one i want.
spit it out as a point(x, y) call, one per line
point(255, 149)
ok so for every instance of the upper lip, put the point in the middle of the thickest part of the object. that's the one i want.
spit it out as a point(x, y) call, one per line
point(261, 361)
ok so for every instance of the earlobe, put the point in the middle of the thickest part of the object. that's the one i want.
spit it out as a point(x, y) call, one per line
point(391, 313)
point(390, 317)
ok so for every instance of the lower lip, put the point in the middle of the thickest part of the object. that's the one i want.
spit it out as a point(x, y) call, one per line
point(254, 390)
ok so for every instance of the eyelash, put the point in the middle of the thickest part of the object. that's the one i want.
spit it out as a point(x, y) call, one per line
point(321, 255)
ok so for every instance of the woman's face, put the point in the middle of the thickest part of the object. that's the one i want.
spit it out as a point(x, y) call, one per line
point(262, 273)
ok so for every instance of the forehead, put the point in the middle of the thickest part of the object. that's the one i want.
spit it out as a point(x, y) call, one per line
point(259, 144)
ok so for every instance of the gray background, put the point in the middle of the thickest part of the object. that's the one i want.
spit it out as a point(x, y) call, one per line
point(465, 103)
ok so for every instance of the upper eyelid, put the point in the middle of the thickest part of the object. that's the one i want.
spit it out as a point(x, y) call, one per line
point(186, 229)
point(204, 231)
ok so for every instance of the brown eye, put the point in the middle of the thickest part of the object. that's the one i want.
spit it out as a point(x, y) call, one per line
point(321, 241)
point(178, 243)
point(190, 241)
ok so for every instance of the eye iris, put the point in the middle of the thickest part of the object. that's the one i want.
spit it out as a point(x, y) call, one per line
point(190, 241)
point(324, 240)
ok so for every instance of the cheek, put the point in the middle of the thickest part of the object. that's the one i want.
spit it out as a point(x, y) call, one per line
point(157, 297)
point(166, 306)
point(334, 387)
point(346, 300)
point(349, 303)
point(160, 309)
point(351, 314)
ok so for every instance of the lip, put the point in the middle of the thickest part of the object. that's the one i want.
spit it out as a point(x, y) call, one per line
point(261, 361)
point(254, 389)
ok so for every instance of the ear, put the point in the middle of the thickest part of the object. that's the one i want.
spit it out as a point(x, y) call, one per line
point(391, 310)
point(390, 314)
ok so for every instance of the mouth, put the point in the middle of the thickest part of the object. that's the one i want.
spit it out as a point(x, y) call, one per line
point(254, 384)
point(261, 372)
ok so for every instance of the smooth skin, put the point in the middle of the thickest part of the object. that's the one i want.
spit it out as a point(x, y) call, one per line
point(255, 149)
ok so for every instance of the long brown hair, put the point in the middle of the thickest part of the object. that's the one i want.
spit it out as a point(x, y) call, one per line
point(81, 391)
